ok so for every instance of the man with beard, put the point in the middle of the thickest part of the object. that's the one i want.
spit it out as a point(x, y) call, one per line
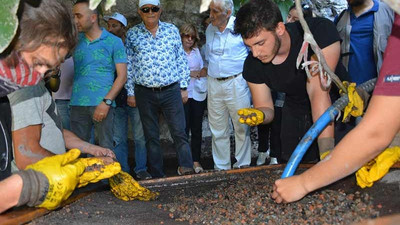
point(97, 57)
point(272, 66)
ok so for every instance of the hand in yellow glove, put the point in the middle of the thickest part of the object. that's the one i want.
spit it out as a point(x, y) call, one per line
point(251, 116)
point(51, 180)
point(378, 167)
point(97, 170)
point(355, 107)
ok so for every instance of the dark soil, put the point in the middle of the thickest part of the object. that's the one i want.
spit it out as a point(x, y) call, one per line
point(246, 199)
point(223, 198)
point(232, 199)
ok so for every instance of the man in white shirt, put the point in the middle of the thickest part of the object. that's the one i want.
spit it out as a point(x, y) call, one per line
point(227, 90)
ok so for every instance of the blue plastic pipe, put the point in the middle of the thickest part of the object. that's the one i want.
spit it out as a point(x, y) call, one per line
point(301, 149)
point(328, 116)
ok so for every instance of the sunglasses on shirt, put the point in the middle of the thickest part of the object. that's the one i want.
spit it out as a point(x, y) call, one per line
point(148, 9)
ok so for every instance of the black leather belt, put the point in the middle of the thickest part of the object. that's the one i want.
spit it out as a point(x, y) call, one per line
point(158, 88)
point(227, 78)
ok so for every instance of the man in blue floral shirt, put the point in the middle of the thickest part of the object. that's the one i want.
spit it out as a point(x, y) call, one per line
point(97, 57)
point(158, 75)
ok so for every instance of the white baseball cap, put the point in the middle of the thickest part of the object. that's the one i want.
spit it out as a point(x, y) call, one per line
point(200, 89)
point(146, 2)
point(118, 17)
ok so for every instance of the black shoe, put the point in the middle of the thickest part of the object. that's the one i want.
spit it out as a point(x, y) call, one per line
point(143, 175)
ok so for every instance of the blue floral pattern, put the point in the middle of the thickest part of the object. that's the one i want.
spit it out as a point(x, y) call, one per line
point(155, 61)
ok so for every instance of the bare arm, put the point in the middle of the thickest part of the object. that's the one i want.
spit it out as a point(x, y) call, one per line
point(262, 100)
point(379, 126)
point(119, 81)
point(73, 141)
point(10, 190)
point(27, 148)
point(375, 132)
point(319, 98)
point(102, 109)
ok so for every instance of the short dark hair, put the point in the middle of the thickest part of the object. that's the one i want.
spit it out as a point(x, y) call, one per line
point(51, 23)
point(256, 15)
point(95, 11)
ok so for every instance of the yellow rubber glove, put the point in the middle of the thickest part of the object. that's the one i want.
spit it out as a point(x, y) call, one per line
point(378, 167)
point(355, 107)
point(124, 187)
point(96, 170)
point(62, 172)
point(251, 116)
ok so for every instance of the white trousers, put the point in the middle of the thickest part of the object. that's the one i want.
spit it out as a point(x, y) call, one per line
point(223, 100)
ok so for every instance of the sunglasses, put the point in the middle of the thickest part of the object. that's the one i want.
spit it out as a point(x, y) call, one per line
point(148, 9)
point(189, 36)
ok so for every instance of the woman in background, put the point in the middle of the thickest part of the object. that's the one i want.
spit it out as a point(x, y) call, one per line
point(197, 91)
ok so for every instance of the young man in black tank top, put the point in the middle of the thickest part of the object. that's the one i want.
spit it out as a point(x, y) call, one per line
point(272, 66)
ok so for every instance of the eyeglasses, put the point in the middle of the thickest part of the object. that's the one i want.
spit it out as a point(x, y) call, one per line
point(148, 9)
point(189, 36)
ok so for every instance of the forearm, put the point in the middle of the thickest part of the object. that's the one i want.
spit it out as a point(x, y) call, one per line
point(10, 190)
point(203, 72)
point(318, 106)
point(72, 141)
point(375, 132)
point(116, 88)
point(27, 148)
point(346, 158)
point(268, 114)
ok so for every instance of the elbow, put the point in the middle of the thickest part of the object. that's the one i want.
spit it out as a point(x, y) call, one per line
point(381, 139)
point(26, 154)
point(384, 141)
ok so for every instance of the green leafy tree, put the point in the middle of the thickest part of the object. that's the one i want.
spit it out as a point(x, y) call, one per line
point(8, 22)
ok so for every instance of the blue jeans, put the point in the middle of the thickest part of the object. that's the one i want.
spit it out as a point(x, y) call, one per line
point(169, 102)
point(121, 116)
point(64, 110)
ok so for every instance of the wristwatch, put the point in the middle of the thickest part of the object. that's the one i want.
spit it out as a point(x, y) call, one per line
point(108, 101)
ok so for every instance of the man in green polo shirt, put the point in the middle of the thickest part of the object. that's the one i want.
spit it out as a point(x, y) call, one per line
point(97, 57)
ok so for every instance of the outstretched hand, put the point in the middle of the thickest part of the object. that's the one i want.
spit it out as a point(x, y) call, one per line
point(288, 190)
